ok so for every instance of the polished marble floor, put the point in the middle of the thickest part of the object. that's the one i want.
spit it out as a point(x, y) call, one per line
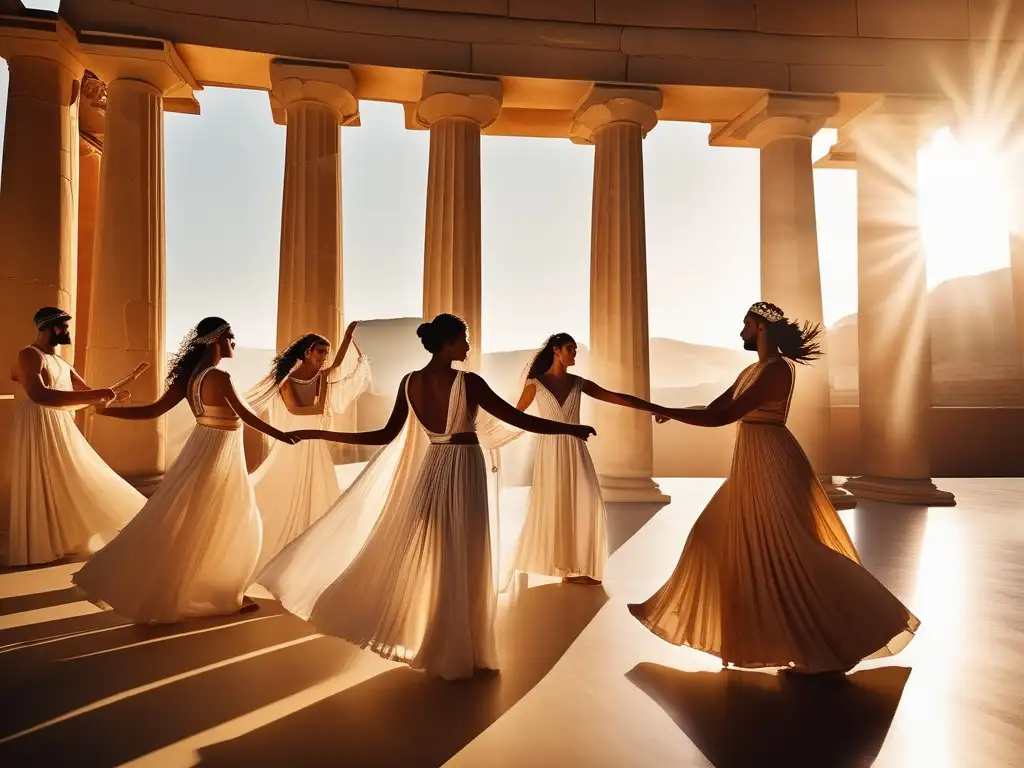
point(582, 683)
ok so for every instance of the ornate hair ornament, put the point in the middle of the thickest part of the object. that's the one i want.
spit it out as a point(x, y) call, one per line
point(768, 311)
point(51, 318)
point(213, 335)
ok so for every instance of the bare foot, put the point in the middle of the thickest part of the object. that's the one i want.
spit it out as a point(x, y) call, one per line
point(248, 605)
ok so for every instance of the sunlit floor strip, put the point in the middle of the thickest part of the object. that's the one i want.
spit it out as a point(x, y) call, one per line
point(173, 636)
point(153, 686)
point(58, 638)
point(50, 613)
point(185, 753)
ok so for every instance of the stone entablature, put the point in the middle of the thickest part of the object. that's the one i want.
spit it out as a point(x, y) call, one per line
point(711, 58)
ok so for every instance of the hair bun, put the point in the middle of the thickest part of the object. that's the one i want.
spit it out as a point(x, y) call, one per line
point(424, 330)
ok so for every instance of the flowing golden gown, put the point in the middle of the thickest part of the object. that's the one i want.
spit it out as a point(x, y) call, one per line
point(769, 576)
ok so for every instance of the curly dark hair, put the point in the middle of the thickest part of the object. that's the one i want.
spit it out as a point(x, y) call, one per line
point(442, 329)
point(282, 365)
point(543, 360)
point(183, 363)
point(800, 342)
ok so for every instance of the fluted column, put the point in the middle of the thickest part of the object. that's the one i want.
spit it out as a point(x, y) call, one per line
point(455, 109)
point(1016, 223)
point(317, 98)
point(616, 120)
point(126, 323)
point(895, 366)
point(38, 197)
point(782, 125)
point(88, 202)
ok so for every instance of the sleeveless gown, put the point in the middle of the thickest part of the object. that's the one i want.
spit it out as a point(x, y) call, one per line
point(296, 484)
point(192, 549)
point(418, 587)
point(565, 533)
point(768, 576)
point(65, 500)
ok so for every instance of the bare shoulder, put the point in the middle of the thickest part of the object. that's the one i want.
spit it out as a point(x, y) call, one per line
point(779, 374)
point(29, 357)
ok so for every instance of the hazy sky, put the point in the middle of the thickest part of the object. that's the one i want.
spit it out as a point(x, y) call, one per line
point(224, 173)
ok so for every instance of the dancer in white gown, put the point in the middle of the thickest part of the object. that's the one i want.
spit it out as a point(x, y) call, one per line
point(769, 576)
point(296, 484)
point(65, 500)
point(402, 563)
point(565, 533)
point(192, 549)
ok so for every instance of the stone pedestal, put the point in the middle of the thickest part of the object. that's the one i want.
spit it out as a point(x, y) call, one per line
point(317, 99)
point(782, 125)
point(126, 324)
point(38, 198)
point(455, 109)
point(615, 121)
point(894, 342)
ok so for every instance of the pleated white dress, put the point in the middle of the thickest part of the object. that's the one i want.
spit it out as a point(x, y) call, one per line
point(769, 576)
point(402, 563)
point(192, 549)
point(65, 500)
point(565, 533)
point(297, 484)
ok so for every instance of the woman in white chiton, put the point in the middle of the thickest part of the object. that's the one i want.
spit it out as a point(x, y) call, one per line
point(296, 484)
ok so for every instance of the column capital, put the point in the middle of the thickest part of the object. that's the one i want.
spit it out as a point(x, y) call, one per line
point(915, 118)
point(466, 97)
point(145, 59)
point(330, 83)
point(606, 104)
point(776, 116)
point(44, 38)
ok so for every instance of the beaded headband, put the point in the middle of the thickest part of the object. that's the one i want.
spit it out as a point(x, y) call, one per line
point(51, 318)
point(213, 335)
point(767, 311)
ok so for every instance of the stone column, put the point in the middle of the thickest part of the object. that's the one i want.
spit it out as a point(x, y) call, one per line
point(1016, 216)
point(782, 125)
point(88, 201)
point(315, 99)
point(455, 109)
point(895, 368)
point(126, 324)
point(38, 196)
point(616, 120)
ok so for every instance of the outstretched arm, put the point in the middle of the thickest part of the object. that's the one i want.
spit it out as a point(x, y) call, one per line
point(617, 398)
point(719, 402)
point(773, 385)
point(345, 343)
point(382, 436)
point(173, 395)
point(485, 398)
point(529, 393)
point(224, 387)
point(29, 368)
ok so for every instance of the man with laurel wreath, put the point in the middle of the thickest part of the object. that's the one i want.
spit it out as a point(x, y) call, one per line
point(768, 576)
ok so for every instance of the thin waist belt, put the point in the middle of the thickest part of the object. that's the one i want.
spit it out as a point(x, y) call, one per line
point(219, 422)
point(459, 438)
point(763, 422)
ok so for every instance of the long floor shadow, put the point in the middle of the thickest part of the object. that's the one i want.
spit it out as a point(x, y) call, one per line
point(37, 600)
point(625, 519)
point(404, 718)
point(740, 718)
point(107, 665)
point(131, 726)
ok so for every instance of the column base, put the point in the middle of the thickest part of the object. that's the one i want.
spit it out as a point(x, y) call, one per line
point(631, 489)
point(837, 495)
point(894, 490)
